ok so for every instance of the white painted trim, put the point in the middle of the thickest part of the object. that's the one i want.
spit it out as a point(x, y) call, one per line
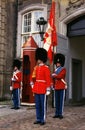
point(28, 104)
point(19, 28)
point(63, 23)
point(29, 48)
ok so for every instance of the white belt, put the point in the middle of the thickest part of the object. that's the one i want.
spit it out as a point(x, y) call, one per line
point(41, 81)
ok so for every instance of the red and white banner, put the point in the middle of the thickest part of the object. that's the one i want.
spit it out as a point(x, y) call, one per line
point(50, 36)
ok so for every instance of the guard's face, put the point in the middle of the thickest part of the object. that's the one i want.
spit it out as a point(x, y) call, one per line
point(39, 62)
point(15, 68)
point(58, 64)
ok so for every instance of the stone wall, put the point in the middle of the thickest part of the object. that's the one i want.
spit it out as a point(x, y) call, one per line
point(7, 44)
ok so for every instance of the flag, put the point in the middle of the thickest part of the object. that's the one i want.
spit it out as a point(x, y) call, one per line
point(50, 36)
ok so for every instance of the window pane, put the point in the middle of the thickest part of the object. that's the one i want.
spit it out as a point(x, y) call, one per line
point(38, 40)
point(24, 38)
point(27, 23)
point(37, 14)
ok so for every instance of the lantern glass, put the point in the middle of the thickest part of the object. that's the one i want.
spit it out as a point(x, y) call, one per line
point(41, 22)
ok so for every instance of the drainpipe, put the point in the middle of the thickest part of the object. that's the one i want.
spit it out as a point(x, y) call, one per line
point(16, 19)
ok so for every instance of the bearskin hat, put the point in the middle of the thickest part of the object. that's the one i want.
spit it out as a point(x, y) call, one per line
point(17, 63)
point(41, 54)
point(59, 58)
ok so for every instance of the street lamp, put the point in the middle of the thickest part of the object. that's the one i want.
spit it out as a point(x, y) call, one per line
point(41, 24)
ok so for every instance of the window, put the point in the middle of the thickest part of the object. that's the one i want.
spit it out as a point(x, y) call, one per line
point(26, 23)
point(27, 26)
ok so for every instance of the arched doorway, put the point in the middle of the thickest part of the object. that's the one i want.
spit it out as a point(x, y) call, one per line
point(76, 35)
point(76, 27)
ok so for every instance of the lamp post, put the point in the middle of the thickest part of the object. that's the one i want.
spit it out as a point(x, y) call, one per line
point(41, 24)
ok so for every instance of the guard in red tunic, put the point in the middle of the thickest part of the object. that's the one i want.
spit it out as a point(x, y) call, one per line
point(16, 84)
point(42, 85)
point(59, 84)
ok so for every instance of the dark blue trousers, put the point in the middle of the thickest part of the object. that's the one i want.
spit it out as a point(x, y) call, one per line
point(40, 100)
point(16, 97)
point(59, 102)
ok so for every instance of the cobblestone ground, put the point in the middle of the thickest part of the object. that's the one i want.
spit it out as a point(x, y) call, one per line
point(22, 119)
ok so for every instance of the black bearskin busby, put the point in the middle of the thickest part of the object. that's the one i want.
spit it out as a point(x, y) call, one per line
point(59, 58)
point(17, 63)
point(41, 54)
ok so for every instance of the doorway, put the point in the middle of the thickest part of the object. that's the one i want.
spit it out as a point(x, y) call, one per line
point(76, 80)
point(26, 79)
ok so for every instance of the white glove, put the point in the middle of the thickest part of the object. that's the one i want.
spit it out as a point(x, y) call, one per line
point(11, 88)
point(48, 91)
point(31, 84)
point(53, 74)
point(13, 79)
point(52, 87)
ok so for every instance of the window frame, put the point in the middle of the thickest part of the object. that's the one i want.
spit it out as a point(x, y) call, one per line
point(21, 13)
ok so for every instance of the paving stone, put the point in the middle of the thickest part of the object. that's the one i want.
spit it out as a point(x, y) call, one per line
point(22, 119)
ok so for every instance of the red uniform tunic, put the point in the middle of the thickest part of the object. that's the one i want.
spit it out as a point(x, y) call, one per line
point(58, 82)
point(43, 79)
point(16, 80)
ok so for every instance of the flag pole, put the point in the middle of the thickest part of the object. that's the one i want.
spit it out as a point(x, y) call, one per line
point(52, 31)
point(53, 92)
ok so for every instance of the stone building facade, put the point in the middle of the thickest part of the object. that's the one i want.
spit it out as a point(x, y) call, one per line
point(7, 43)
point(18, 22)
